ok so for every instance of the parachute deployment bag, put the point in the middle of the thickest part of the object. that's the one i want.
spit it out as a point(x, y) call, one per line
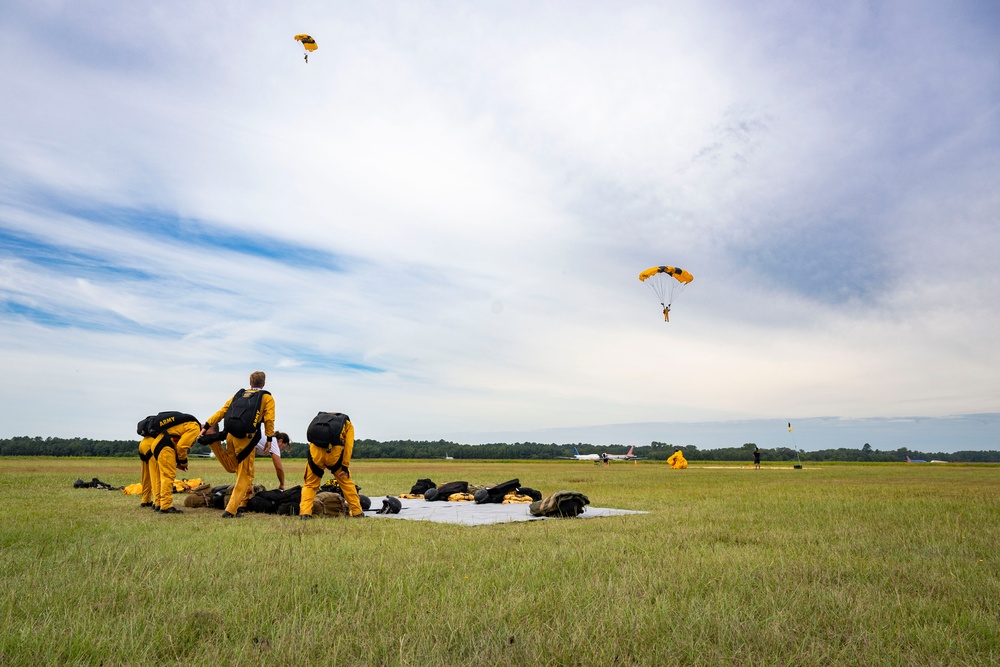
point(242, 418)
point(327, 429)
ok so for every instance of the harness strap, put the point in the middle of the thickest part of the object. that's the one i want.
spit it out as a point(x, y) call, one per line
point(145, 457)
point(245, 452)
point(315, 467)
point(162, 443)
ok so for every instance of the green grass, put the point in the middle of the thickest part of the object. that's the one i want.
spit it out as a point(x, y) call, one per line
point(830, 565)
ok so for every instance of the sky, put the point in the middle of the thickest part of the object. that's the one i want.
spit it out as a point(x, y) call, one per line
point(436, 225)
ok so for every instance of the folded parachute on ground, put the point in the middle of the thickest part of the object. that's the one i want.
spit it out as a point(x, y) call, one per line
point(677, 461)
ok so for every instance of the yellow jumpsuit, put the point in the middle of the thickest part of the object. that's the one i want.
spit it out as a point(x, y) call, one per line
point(169, 450)
point(237, 449)
point(336, 458)
point(150, 473)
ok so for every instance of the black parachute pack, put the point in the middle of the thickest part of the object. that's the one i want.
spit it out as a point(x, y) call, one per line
point(217, 498)
point(142, 429)
point(495, 494)
point(242, 419)
point(531, 493)
point(422, 486)
point(95, 484)
point(327, 429)
point(442, 492)
point(159, 423)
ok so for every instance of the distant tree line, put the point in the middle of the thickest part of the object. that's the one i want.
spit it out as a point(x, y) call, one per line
point(422, 449)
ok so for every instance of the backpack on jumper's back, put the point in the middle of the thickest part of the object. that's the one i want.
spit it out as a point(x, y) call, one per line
point(243, 416)
point(327, 428)
point(144, 427)
point(157, 424)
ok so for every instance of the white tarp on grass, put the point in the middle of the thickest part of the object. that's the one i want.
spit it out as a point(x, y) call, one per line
point(471, 514)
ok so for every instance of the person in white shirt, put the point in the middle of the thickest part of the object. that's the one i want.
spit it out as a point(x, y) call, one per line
point(272, 447)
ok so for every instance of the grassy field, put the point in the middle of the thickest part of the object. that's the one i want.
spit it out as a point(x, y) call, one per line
point(830, 565)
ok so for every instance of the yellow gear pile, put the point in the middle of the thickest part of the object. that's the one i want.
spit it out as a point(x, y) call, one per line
point(461, 498)
point(185, 485)
point(677, 461)
point(133, 489)
point(513, 498)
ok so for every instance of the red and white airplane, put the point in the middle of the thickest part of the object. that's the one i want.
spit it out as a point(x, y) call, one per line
point(599, 458)
point(627, 456)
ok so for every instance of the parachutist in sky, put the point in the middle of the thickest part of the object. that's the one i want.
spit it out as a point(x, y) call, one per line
point(307, 58)
point(666, 313)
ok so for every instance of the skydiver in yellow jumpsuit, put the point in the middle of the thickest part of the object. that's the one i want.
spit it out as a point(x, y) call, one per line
point(150, 472)
point(337, 459)
point(666, 313)
point(178, 432)
point(240, 450)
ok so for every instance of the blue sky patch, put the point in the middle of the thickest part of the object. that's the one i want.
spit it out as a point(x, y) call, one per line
point(306, 358)
point(64, 261)
point(101, 321)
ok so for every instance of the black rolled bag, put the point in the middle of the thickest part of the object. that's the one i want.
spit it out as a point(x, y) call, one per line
point(442, 492)
point(531, 493)
point(421, 487)
point(496, 493)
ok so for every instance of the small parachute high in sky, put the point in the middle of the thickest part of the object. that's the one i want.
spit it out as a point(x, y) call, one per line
point(666, 282)
point(308, 42)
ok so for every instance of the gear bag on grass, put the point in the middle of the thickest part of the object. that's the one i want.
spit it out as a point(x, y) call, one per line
point(243, 416)
point(531, 493)
point(422, 486)
point(327, 429)
point(328, 503)
point(560, 504)
point(495, 494)
point(442, 492)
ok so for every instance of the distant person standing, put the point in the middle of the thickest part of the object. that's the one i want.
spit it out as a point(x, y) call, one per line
point(245, 414)
point(756, 457)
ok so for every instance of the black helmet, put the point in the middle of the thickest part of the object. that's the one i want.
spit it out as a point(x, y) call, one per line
point(390, 506)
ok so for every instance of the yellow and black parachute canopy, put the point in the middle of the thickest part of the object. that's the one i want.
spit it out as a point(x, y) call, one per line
point(308, 42)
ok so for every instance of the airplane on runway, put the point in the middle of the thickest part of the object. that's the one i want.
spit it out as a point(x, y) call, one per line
point(604, 457)
point(627, 456)
point(586, 457)
point(909, 460)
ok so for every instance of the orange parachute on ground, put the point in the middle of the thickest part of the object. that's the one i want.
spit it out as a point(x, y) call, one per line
point(666, 282)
